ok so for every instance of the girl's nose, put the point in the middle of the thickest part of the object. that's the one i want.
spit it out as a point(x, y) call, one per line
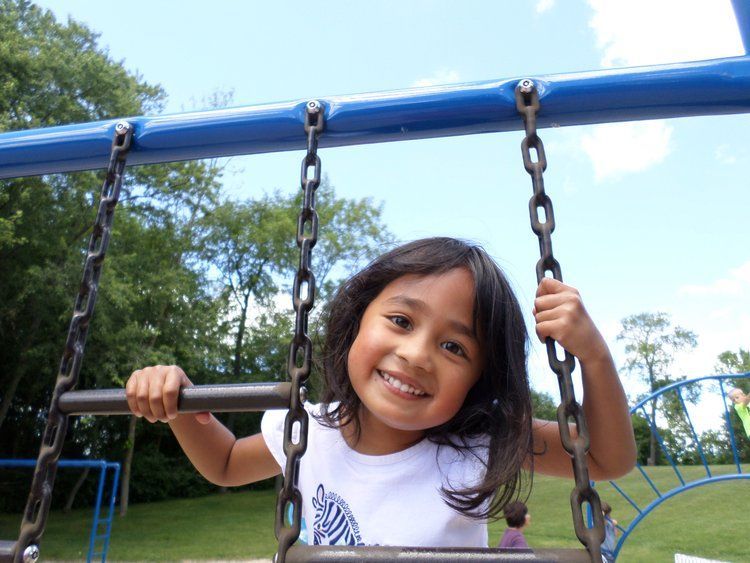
point(415, 351)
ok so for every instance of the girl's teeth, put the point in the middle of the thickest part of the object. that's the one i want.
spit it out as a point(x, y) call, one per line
point(406, 388)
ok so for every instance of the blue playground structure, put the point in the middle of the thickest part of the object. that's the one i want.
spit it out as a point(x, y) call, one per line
point(702, 88)
point(710, 384)
point(98, 538)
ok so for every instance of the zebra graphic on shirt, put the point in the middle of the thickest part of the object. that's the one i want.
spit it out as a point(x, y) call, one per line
point(334, 523)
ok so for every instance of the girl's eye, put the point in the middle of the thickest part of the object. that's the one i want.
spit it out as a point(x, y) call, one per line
point(401, 322)
point(453, 348)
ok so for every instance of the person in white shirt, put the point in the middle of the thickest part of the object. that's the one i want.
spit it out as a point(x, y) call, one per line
point(424, 427)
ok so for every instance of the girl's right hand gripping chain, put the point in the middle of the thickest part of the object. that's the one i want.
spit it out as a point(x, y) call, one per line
point(153, 393)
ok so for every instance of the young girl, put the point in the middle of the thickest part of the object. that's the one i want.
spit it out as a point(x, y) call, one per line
point(518, 519)
point(610, 534)
point(425, 422)
point(741, 402)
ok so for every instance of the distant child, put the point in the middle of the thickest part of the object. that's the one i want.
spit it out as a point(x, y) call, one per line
point(741, 402)
point(610, 534)
point(518, 518)
point(425, 423)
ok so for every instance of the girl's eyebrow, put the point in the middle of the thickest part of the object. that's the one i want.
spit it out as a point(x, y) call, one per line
point(421, 306)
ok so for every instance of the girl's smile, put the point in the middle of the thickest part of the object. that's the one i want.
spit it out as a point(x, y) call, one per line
point(415, 357)
point(402, 385)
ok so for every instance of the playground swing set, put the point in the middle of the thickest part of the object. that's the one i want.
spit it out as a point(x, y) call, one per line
point(714, 87)
point(106, 491)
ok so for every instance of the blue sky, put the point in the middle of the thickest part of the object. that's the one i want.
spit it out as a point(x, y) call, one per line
point(651, 216)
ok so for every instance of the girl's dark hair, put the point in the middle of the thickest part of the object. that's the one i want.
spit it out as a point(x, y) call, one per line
point(497, 409)
point(515, 514)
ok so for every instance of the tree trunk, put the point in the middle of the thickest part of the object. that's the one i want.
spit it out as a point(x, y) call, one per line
point(652, 451)
point(74, 491)
point(237, 364)
point(10, 391)
point(126, 467)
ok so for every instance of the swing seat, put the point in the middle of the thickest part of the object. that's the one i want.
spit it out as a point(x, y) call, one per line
point(381, 554)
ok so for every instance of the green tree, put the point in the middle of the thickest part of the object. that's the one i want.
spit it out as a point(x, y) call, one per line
point(248, 242)
point(716, 447)
point(543, 405)
point(734, 362)
point(154, 304)
point(650, 344)
point(51, 74)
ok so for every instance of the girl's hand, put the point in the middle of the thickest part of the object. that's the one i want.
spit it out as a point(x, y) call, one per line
point(560, 314)
point(152, 393)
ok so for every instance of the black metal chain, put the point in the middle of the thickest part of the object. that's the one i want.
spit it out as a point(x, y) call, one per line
point(527, 103)
point(300, 350)
point(37, 506)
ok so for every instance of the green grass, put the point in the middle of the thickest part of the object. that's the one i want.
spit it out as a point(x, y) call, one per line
point(229, 526)
point(709, 521)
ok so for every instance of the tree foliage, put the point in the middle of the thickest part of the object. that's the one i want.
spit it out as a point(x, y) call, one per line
point(181, 253)
point(650, 344)
point(543, 405)
point(734, 362)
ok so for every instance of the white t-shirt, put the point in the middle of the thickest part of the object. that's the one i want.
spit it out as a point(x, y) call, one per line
point(355, 499)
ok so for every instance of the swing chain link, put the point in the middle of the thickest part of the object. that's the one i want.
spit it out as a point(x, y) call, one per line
point(40, 496)
point(527, 103)
point(299, 363)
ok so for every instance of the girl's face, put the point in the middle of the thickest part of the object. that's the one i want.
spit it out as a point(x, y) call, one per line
point(416, 356)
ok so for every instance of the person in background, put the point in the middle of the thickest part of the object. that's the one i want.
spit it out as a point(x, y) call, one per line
point(518, 518)
point(610, 534)
point(741, 402)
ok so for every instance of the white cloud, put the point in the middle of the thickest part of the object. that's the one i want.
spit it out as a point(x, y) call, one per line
point(544, 6)
point(442, 76)
point(736, 284)
point(620, 148)
point(719, 312)
point(641, 32)
point(714, 337)
point(725, 155)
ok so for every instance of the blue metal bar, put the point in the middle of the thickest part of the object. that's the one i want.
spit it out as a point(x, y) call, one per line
point(710, 479)
point(742, 15)
point(97, 506)
point(692, 430)
point(102, 465)
point(655, 432)
point(61, 463)
point(667, 496)
point(115, 466)
point(729, 426)
point(648, 479)
point(625, 496)
point(662, 390)
point(720, 86)
point(589, 512)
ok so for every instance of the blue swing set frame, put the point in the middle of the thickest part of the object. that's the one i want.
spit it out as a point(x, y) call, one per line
point(714, 87)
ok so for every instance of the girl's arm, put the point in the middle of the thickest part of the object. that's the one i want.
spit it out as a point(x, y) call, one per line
point(214, 451)
point(560, 314)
